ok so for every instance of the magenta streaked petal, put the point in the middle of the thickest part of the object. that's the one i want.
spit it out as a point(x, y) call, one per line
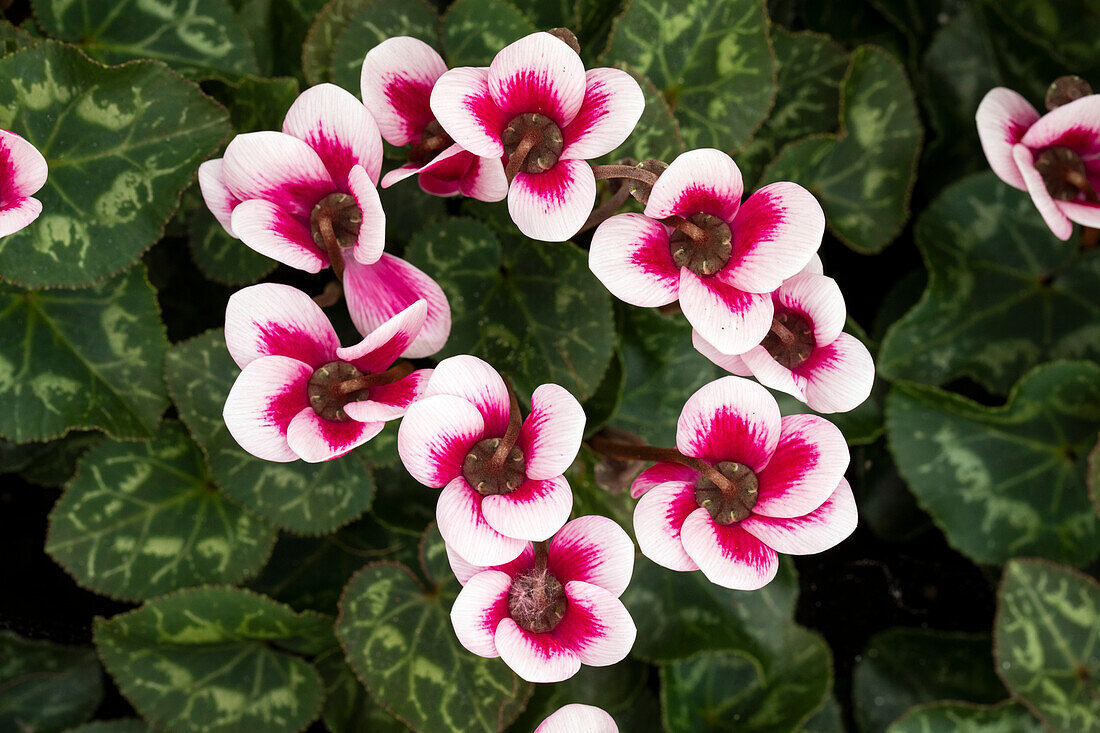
point(1083, 212)
point(396, 84)
point(383, 345)
point(339, 128)
point(596, 626)
point(839, 376)
point(534, 511)
point(216, 195)
point(484, 180)
point(552, 206)
point(474, 380)
point(730, 362)
point(278, 234)
point(818, 299)
point(1075, 126)
point(1003, 117)
point(660, 473)
point(699, 181)
point(728, 555)
point(595, 550)
point(538, 73)
point(480, 606)
point(442, 187)
point(20, 213)
point(23, 170)
point(316, 439)
point(276, 167)
point(730, 419)
point(372, 229)
point(658, 518)
point(375, 293)
point(774, 375)
point(390, 401)
point(435, 436)
point(535, 657)
point(462, 105)
point(266, 396)
point(807, 465)
point(630, 256)
point(551, 435)
point(272, 319)
point(732, 320)
point(824, 527)
point(463, 526)
point(613, 104)
point(578, 718)
point(464, 570)
point(1058, 222)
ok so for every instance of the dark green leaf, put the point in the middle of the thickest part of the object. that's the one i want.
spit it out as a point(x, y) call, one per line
point(47, 464)
point(826, 720)
point(657, 134)
point(601, 406)
point(475, 30)
point(615, 689)
point(46, 687)
point(223, 258)
point(254, 103)
point(1068, 29)
point(348, 707)
point(962, 717)
point(1092, 476)
point(123, 725)
point(13, 38)
point(976, 469)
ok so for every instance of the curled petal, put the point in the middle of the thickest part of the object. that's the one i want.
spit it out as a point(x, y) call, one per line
point(473, 380)
point(399, 174)
point(534, 657)
point(807, 465)
point(316, 439)
point(464, 527)
point(1003, 117)
point(23, 170)
point(551, 435)
point(480, 606)
point(372, 226)
point(728, 555)
point(1058, 222)
point(396, 83)
point(703, 181)
point(272, 319)
point(461, 103)
point(381, 347)
point(839, 377)
point(266, 396)
point(538, 73)
point(19, 214)
point(595, 550)
point(390, 401)
point(278, 168)
point(660, 473)
point(732, 320)
point(435, 436)
point(818, 299)
point(216, 195)
point(339, 128)
point(730, 419)
point(1084, 213)
point(730, 362)
point(534, 511)
point(271, 230)
point(484, 180)
point(596, 626)
point(613, 104)
point(1075, 126)
point(658, 518)
point(553, 206)
point(578, 718)
point(464, 570)
point(824, 527)
point(630, 256)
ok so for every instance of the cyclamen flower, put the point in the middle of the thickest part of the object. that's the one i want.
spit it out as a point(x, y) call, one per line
point(396, 82)
point(770, 485)
point(22, 173)
point(300, 394)
point(555, 607)
point(805, 354)
point(578, 718)
point(538, 113)
point(1055, 158)
point(503, 482)
point(698, 243)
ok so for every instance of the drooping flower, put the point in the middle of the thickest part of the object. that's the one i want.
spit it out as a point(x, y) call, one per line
point(578, 718)
point(22, 173)
point(397, 79)
point(538, 112)
point(502, 481)
point(698, 243)
point(806, 354)
point(556, 606)
point(1055, 158)
point(764, 485)
point(300, 394)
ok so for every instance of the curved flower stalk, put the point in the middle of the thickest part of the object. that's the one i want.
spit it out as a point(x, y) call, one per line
point(698, 243)
point(22, 172)
point(396, 81)
point(501, 475)
point(805, 354)
point(578, 718)
point(300, 395)
point(554, 607)
point(540, 116)
point(1055, 157)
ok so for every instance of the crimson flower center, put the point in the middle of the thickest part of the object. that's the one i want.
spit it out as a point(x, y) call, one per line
point(489, 477)
point(731, 504)
point(433, 141)
point(532, 142)
point(536, 601)
point(790, 340)
point(1063, 171)
point(705, 248)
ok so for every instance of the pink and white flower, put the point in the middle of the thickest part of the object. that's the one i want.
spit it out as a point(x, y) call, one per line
point(806, 354)
point(22, 173)
point(502, 481)
point(300, 395)
point(697, 243)
point(553, 608)
point(578, 718)
point(541, 116)
point(1043, 155)
point(397, 79)
point(771, 485)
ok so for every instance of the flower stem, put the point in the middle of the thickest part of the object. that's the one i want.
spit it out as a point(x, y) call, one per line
point(511, 435)
point(391, 375)
point(698, 234)
point(530, 139)
point(330, 295)
point(785, 334)
point(629, 451)
point(607, 209)
point(542, 553)
point(634, 173)
point(332, 244)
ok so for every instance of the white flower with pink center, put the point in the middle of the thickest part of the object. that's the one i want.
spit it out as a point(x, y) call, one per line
point(541, 116)
point(501, 475)
point(300, 395)
point(556, 606)
point(746, 485)
point(397, 79)
point(699, 244)
point(22, 173)
point(806, 354)
point(1055, 157)
point(578, 718)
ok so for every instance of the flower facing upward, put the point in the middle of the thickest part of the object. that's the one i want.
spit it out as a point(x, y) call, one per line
point(397, 79)
point(300, 394)
point(556, 606)
point(1055, 158)
point(805, 354)
point(772, 485)
point(578, 718)
point(698, 243)
point(503, 482)
point(539, 115)
point(22, 173)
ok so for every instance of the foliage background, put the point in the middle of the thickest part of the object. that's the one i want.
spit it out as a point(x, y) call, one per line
point(955, 606)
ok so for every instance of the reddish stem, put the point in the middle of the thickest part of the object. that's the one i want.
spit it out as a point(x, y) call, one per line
point(391, 375)
point(631, 452)
point(511, 435)
point(531, 138)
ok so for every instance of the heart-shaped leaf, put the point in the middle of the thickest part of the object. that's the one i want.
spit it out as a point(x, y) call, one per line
point(348, 707)
point(73, 359)
point(1004, 481)
point(962, 717)
point(308, 498)
point(475, 30)
point(657, 134)
point(46, 687)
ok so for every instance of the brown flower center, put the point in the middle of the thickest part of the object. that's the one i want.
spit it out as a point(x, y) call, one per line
point(790, 340)
point(734, 503)
point(340, 213)
point(532, 143)
point(491, 477)
point(1063, 173)
point(702, 243)
point(433, 141)
point(536, 601)
point(326, 395)
point(1066, 89)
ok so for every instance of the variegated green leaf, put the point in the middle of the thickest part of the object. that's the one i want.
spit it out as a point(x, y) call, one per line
point(223, 258)
point(962, 717)
point(863, 175)
point(657, 134)
point(1068, 29)
point(121, 144)
point(199, 38)
point(474, 30)
point(348, 707)
point(13, 38)
point(48, 464)
point(254, 103)
point(618, 690)
point(1047, 643)
point(1003, 293)
point(142, 519)
point(710, 58)
point(217, 660)
point(46, 687)
point(533, 310)
point(123, 725)
point(1004, 481)
point(73, 359)
point(308, 498)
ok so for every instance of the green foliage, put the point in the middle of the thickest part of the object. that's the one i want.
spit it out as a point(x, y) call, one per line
point(1069, 29)
point(121, 144)
point(47, 464)
point(1046, 635)
point(657, 134)
point(619, 689)
point(46, 687)
point(348, 708)
point(223, 258)
point(475, 30)
point(975, 469)
point(961, 717)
